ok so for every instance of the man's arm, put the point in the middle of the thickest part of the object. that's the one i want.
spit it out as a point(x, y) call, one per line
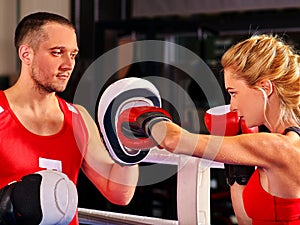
point(117, 183)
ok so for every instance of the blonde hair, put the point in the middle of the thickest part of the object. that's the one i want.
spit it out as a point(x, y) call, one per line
point(268, 57)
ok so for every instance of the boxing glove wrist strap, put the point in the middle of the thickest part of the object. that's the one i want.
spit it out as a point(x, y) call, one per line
point(150, 124)
point(238, 173)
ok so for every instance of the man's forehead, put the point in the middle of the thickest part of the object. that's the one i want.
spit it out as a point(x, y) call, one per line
point(60, 37)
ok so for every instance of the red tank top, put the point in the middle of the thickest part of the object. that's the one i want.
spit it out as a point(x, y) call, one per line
point(23, 152)
point(266, 209)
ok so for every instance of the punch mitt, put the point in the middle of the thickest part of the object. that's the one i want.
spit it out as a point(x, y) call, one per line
point(117, 97)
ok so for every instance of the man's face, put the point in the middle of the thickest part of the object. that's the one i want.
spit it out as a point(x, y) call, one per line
point(54, 59)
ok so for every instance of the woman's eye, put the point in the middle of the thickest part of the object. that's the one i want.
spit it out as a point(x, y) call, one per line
point(232, 93)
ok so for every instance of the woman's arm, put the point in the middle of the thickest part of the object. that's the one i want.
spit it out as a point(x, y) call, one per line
point(115, 182)
point(236, 192)
point(259, 149)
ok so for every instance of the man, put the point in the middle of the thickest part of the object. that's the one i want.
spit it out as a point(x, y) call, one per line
point(39, 130)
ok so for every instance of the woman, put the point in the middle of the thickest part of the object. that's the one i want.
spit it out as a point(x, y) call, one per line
point(262, 77)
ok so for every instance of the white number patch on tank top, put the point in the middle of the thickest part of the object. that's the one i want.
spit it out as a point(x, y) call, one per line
point(51, 164)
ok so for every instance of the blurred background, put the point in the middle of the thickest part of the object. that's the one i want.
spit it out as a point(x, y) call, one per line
point(205, 27)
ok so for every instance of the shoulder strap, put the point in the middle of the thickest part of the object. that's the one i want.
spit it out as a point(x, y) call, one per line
point(66, 105)
point(3, 101)
point(71, 108)
point(294, 129)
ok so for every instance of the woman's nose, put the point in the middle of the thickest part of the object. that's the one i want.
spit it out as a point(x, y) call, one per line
point(233, 106)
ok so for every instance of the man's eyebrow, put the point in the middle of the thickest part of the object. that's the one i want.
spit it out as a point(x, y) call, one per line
point(62, 47)
point(57, 47)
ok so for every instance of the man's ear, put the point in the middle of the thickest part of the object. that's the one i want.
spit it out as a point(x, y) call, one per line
point(267, 86)
point(25, 54)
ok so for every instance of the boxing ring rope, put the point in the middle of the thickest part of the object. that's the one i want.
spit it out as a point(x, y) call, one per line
point(91, 217)
point(193, 194)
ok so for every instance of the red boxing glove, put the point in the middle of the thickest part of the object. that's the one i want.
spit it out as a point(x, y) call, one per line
point(134, 126)
point(245, 129)
point(221, 121)
point(240, 173)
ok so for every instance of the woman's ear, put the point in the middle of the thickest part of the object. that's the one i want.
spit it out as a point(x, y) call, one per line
point(25, 54)
point(266, 86)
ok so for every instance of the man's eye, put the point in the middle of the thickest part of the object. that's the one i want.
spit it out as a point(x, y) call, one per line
point(73, 54)
point(57, 53)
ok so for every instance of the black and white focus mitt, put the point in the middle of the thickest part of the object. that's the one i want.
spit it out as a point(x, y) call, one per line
point(119, 96)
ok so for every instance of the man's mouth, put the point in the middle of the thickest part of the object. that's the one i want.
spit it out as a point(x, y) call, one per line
point(63, 76)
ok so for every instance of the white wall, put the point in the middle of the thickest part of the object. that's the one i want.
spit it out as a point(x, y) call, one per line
point(8, 20)
point(61, 7)
point(9, 10)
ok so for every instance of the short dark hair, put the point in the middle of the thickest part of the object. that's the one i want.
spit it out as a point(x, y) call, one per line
point(32, 23)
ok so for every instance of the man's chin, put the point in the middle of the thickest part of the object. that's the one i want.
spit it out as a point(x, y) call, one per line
point(60, 89)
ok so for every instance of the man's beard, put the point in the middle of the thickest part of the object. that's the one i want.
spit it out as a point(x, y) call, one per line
point(45, 87)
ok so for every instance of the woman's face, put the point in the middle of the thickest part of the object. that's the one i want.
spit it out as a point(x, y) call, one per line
point(247, 101)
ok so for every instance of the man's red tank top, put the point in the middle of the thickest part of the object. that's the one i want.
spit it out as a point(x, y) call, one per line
point(266, 209)
point(23, 152)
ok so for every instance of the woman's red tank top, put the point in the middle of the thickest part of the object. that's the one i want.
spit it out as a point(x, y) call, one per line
point(266, 209)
